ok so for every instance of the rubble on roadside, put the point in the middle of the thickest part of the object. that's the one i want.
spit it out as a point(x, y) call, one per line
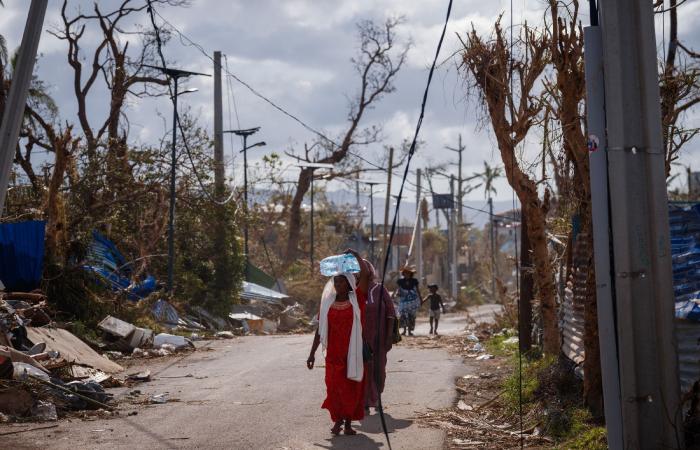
point(47, 372)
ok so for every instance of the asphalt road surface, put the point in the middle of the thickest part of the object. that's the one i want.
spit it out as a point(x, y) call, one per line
point(256, 393)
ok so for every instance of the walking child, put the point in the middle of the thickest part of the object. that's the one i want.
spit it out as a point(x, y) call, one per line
point(435, 306)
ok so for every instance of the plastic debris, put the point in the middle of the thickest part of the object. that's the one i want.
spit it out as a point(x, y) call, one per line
point(473, 338)
point(22, 370)
point(224, 335)
point(484, 357)
point(176, 341)
point(44, 410)
point(159, 398)
point(461, 405)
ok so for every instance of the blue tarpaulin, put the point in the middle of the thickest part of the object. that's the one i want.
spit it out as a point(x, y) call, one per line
point(105, 260)
point(22, 254)
point(684, 221)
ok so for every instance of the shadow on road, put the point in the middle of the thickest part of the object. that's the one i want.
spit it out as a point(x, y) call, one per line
point(373, 424)
point(369, 425)
point(359, 441)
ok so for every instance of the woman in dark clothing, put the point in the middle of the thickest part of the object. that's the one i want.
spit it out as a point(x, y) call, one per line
point(378, 333)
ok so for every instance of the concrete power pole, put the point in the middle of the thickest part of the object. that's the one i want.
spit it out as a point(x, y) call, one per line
point(17, 97)
point(644, 302)
point(218, 128)
point(460, 181)
point(492, 237)
point(387, 205)
point(453, 242)
point(419, 229)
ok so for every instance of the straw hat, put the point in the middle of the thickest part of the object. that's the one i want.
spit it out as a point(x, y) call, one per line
point(409, 269)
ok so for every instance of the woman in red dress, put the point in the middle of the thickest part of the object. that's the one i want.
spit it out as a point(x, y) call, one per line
point(340, 332)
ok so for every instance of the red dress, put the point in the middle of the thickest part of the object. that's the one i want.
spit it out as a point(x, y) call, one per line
point(344, 397)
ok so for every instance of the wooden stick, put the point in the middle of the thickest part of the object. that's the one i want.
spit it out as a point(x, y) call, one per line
point(87, 399)
point(28, 429)
point(490, 401)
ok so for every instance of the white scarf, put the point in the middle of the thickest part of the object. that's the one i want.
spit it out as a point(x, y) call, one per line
point(355, 363)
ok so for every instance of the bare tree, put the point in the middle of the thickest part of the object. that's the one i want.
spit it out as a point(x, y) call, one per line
point(565, 94)
point(679, 82)
point(377, 64)
point(122, 72)
point(490, 68)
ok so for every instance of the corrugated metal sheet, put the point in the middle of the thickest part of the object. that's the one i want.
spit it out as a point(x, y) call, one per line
point(572, 328)
point(572, 309)
point(688, 340)
point(252, 291)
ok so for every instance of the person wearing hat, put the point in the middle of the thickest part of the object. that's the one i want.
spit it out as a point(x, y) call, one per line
point(436, 304)
point(409, 299)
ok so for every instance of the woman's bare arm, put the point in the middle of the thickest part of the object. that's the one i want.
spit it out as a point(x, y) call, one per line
point(312, 356)
point(365, 273)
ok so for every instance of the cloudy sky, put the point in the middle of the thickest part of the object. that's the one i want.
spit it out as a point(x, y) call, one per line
point(297, 52)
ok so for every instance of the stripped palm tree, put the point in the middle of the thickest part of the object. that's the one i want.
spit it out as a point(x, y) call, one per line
point(487, 177)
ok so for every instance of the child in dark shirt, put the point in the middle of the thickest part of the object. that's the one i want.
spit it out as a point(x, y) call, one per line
point(435, 305)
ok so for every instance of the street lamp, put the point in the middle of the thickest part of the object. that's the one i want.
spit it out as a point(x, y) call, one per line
point(175, 75)
point(313, 166)
point(371, 185)
point(245, 133)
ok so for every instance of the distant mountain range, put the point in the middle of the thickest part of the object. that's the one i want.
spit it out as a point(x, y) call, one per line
point(475, 212)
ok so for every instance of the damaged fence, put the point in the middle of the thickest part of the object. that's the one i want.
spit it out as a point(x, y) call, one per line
point(684, 219)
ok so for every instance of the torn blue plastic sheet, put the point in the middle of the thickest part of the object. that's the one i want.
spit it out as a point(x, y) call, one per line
point(108, 263)
point(22, 254)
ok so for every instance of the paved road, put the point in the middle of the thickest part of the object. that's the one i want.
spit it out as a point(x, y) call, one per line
point(258, 394)
point(453, 324)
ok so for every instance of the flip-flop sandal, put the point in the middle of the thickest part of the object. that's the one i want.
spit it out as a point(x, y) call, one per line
point(335, 431)
point(349, 431)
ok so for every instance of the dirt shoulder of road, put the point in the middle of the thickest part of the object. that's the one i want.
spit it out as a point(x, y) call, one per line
point(484, 414)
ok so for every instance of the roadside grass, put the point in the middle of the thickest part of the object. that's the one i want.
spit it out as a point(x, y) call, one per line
point(551, 396)
point(502, 343)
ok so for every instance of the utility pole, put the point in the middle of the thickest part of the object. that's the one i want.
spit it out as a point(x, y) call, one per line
point(371, 223)
point(641, 263)
point(429, 177)
point(244, 134)
point(398, 227)
point(387, 203)
point(360, 216)
point(218, 130)
point(453, 242)
point(460, 189)
point(313, 167)
point(419, 229)
point(493, 250)
point(371, 185)
point(17, 97)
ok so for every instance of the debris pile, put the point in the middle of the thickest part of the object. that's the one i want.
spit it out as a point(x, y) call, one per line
point(269, 318)
point(123, 337)
point(45, 370)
